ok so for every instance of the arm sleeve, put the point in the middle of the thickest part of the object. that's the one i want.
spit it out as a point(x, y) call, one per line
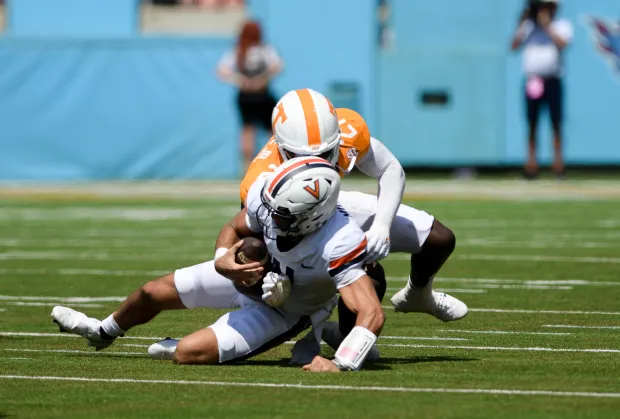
point(564, 29)
point(381, 164)
point(271, 55)
point(227, 62)
point(346, 264)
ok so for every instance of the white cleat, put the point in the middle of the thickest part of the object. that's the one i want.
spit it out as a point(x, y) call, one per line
point(71, 321)
point(424, 300)
point(333, 337)
point(163, 350)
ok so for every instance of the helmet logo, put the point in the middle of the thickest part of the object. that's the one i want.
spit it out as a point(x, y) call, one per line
point(314, 192)
point(281, 116)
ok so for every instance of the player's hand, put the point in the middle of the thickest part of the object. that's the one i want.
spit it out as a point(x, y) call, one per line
point(378, 246)
point(320, 364)
point(276, 289)
point(246, 275)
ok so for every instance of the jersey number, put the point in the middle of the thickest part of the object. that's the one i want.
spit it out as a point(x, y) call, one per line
point(346, 130)
point(276, 267)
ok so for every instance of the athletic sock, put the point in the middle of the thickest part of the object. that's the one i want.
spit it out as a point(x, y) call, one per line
point(109, 328)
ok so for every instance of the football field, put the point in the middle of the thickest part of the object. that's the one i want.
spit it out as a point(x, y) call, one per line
point(537, 264)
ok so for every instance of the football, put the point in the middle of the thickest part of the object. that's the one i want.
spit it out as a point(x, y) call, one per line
point(253, 250)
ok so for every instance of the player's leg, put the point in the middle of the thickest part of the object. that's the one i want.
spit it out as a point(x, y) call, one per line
point(196, 286)
point(238, 335)
point(430, 244)
point(532, 108)
point(555, 100)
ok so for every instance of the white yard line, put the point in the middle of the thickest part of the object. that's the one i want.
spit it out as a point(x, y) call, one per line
point(568, 326)
point(525, 311)
point(72, 351)
point(508, 392)
point(156, 338)
point(85, 272)
point(69, 335)
point(504, 332)
point(419, 338)
point(452, 290)
point(61, 299)
point(519, 282)
point(48, 304)
point(540, 258)
point(523, 258)
point(503, 348)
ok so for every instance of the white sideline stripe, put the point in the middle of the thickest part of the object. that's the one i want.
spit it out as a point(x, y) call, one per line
point(155, 338)
point(504, 332)
point(133, 345)
point(15, 357)
point(48, 304)
point(323, 386)
point(502, 348)
point(568, 326)
point(73, 351)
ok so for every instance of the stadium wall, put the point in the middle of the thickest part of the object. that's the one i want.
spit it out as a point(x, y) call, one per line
point(108, 105)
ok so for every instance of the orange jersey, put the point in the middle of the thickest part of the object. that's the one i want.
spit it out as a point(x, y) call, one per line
point(354, 144)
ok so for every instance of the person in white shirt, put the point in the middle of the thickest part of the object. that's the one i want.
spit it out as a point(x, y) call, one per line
point(543, 38)
point(250, 66)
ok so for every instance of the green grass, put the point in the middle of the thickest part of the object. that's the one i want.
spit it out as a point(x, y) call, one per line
point(109, 248)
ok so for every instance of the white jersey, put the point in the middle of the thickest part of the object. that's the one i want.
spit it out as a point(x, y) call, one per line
point(323, 262)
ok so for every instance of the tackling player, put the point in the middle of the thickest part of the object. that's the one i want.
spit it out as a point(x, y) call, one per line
point(317, 250)
point(305, 123)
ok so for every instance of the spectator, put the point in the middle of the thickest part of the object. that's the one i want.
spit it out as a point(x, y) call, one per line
point(250, 66)
point(544, 39)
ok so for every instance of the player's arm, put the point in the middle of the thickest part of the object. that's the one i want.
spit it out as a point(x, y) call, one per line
point(381, 164)
point(346, 267)
point(228, 243)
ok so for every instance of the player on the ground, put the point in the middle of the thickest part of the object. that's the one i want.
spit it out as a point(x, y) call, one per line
point(305, 123)
point(317, 250)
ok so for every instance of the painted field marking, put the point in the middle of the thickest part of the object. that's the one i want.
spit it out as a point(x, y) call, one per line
point(70, 335)
point(568, 326)
point(450, 290)
point(85, 272)
point(72, 351)
point(61, 299)
point(525, 311)
point(526, 283)
point(504, 332)
point(503, 348)
point(156, 338)
point(47, 304)
point(523, 258)
point(321, 387)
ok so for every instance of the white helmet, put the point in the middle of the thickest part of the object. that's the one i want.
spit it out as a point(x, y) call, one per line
point(301, 195)
point(305, 123)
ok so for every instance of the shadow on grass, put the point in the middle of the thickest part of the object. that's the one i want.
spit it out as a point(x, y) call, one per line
point(382, 364)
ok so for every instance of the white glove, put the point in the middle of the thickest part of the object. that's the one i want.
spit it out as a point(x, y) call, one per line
point(276, 289)
point(378, 243)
